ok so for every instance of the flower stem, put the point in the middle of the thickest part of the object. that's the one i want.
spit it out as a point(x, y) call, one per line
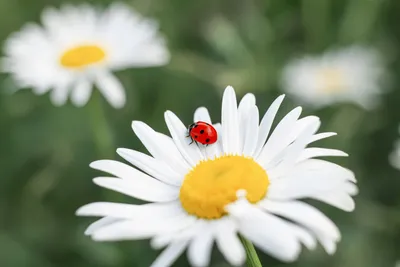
point(102, 133)
point(252, 257)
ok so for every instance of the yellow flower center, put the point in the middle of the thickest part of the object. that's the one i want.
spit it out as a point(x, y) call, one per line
point(331, 80)
point(82, 56)
point(212, 184)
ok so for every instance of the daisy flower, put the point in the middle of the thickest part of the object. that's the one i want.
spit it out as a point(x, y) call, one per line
point(80, 46)
point(249, 183)
point(349, 75)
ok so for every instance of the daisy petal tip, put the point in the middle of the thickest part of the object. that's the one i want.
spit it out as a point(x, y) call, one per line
point(98, 237)
point(80, 211)
point(229, 89)
point(281, 97)
point(137, 124)
point(95, 164)
point(87, 233)
point(331, 250)
point(169, 115)
point(98, 180)
point(134, 124)
point(118, 104)
point(120, 150)
point(238, 262)
point(156, 244)
point(350, 207)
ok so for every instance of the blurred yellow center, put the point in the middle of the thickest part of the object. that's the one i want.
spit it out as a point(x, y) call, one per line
point(82, 56)
point(212, 184)
point(331, 80)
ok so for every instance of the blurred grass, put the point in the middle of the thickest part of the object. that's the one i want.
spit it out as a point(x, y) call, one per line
point(45, 151)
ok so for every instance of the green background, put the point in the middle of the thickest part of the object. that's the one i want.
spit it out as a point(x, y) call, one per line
point(45, 151)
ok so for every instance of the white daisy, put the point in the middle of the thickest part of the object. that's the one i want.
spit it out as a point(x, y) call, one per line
point(249, 182)
point(353, 74)
point(78, 47)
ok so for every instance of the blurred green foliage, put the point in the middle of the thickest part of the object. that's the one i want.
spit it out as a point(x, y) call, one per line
point(45, 151)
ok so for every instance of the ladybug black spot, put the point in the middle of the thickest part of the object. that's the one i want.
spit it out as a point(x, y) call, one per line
point(201, 131)
point(207, 140)
point(195, 137)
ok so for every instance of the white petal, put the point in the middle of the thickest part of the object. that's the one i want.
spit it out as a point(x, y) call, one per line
point(81, 92)
point(302, 186)
point(170, 254)
point(151, 53)
point(285, 160)
point(230, 122)
point(59, 95)
point(266, 123)
point(125, 171)
point(201, 114)
point(100, 224)
point(313, 152)
point(111, 88)
point(152, 166)
point(179, 133)
point(337, 198)
point(228, 242)
point(350, 189)
point(265, 231)
point(160, 193)
point(321, 136)
point(144, 228)
point(328, 243)
point(251, 135)
point(130, 211)
point(280, 137)
point(200, 247)
point(161, 147)
point(245, 105)
point(163, 239)
point(305, 215)
point(315, 165)
point(302, 182)
point(303, 235)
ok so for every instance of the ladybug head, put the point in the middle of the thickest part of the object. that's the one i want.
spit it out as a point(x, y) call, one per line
point(191, 126)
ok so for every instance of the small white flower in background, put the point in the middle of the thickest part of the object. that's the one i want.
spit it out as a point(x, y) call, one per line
point(80, 46)
point(394, 156)
point(249, 182)
point(353, 74)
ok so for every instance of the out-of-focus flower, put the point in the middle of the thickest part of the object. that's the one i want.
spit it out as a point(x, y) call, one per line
point(78, 47)
point(248, 182)
point(349, 75)
point(394, 156)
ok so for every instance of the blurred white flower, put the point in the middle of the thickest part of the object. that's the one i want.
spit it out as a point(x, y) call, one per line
point(245, 183)
point(354, 74)
point(80, 46)
point(394, 156)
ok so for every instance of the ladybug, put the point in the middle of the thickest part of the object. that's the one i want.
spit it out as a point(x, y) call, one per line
point(202, 132)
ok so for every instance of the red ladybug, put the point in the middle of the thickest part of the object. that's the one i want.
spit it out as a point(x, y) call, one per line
point(202, 132)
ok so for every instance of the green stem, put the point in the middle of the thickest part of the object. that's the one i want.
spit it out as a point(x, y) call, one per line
point(102, 133)
point(252, 257)
point(103, 136)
